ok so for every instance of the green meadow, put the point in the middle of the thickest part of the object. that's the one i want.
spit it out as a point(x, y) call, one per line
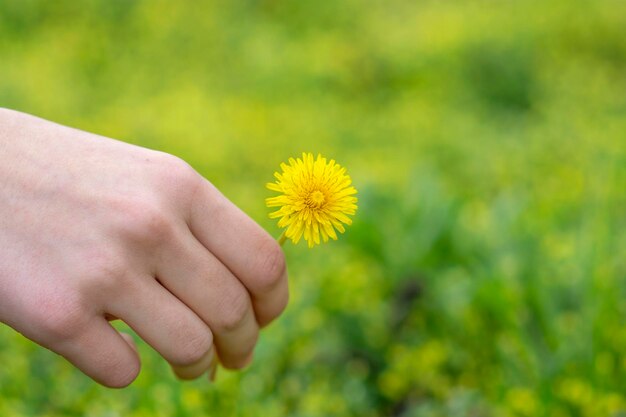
point(485, 272)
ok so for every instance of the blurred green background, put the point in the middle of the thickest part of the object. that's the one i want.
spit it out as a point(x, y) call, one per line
point(485, 273)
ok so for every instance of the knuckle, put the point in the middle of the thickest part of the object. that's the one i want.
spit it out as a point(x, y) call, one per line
point(61, 317)
point(173, 172)
point(234, 312)
point(104, 269)
point(271, 266)
point(145, 222)
point(193, 348)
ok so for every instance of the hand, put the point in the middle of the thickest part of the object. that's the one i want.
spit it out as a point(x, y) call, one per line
point(92, 228)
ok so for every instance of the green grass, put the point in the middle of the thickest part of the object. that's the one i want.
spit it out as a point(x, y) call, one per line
point(485, 272)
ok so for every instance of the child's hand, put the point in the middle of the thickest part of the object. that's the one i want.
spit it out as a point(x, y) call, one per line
point(92, 228)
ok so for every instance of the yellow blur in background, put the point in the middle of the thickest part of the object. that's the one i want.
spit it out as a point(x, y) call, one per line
point(484, 274)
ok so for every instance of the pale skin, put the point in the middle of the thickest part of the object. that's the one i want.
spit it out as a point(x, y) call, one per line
point(93, 229)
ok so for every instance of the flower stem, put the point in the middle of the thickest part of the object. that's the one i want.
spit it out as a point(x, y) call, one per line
point(282, 239)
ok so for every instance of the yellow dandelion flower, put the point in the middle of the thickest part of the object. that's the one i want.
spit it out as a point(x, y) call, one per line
point(316, 199)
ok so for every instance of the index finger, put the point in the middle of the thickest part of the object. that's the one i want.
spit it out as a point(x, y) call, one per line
point(251, 254)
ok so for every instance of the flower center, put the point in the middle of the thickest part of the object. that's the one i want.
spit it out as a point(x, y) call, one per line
point(316, 199)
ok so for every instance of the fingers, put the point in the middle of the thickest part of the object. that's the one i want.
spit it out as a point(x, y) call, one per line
point(103, 354)
point(195, 276)
point(164, 322)
point(193, 371)
point(249, 252)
